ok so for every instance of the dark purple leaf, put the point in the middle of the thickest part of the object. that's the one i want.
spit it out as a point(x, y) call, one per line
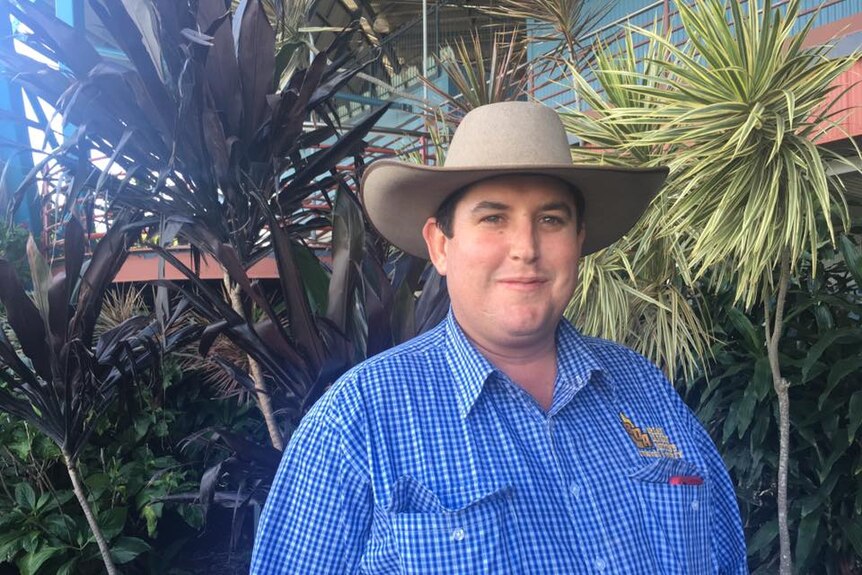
point(237, 374)
point(134, 41)
point(108, 258)
point(209, 482)
point(255, 41)
point(248, 450)
point(433, 304)
point(196, 37)
point(213, 300)
point(221, 69)
point(10, 357)
point(25, 320)
point(348, 238)
point(324, 160)
point(403, 315)
point(209, 335)
point(271, 334)
point(301, 321)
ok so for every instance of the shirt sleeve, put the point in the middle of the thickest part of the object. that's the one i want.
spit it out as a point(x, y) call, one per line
point(318, 513)
point(728, 541)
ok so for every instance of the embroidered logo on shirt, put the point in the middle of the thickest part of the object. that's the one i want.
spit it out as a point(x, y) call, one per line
point(653, 442)
point(640, 438)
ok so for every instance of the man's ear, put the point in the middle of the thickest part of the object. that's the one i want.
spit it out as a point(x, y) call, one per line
point(436, 241)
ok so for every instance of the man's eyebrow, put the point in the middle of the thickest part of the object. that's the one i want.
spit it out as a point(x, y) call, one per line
point(557, 206)
point(488, 205)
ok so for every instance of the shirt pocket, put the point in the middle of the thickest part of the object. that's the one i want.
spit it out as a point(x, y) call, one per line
point(674, 498)
point(464, 535)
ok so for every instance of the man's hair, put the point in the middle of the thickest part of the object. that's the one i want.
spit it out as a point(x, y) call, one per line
point(446, 212)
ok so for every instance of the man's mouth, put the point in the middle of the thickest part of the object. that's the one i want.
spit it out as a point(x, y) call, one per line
point(523, 283)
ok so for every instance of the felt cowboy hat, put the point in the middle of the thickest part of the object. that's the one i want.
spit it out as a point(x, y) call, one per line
point(495, 140)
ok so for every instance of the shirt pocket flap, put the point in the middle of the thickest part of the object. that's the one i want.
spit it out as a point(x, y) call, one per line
point(458, 531)
point(669, 471)
point(409, 495)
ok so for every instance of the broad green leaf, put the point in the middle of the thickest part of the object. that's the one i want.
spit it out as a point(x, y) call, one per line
point(10, 543)
point(764, 536)
point(125, 549)
point(29, 564)
point(852, 257)
point(25, 497)
point(755, 338)
point(823, 343)
point(761, 381)
point(152, 513)
point(731, 423)
point(852, 529)
point(112, 522)
point(855, 416)
point(840, 369)
point(61, 526)
point(746, 411)
point(314, 277)
point(806, 537)
point(69, 567)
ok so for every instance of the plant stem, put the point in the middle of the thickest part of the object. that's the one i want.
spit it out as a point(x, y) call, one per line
point(264, 403)
point(78, 488)
point(782, 391)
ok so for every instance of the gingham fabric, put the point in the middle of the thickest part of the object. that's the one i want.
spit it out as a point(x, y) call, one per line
point(426, 459)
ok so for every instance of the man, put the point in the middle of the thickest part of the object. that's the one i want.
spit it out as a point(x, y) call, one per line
point(502, 441)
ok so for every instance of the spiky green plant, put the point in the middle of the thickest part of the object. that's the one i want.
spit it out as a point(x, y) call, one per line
point(481, 79)
point(637, 292)
point(557, 19)
point(736, 112)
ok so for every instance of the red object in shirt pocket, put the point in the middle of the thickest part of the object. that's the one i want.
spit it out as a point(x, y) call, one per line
point(685, 480)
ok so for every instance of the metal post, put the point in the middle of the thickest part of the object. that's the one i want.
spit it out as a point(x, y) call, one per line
point(425, 48)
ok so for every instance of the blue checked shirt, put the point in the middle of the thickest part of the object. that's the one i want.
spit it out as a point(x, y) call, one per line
point(427, 459)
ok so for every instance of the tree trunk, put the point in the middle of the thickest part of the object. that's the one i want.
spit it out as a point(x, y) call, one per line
point(264, 403)
point(78, 488)
point(782, 391)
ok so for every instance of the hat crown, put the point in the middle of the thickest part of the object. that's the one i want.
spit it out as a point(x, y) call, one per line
point(508, 134)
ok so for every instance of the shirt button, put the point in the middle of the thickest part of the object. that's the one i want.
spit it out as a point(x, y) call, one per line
point(695, 505)
point(458, 534)
point(576, 490)
point(600, 564)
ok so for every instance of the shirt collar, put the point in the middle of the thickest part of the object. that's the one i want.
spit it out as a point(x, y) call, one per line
point(469, 368)
point(576, 366)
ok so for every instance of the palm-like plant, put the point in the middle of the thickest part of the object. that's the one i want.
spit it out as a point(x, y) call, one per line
point(736, 113)
point(56, 375)
point(563, 21)
point(479, 79)
point(196, 131)
point(639, 291)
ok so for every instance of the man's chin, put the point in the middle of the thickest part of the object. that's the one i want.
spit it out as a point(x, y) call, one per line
point(531, 328)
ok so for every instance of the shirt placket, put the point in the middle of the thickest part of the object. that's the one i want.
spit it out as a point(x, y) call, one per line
point(542, 438)
point(575, 492)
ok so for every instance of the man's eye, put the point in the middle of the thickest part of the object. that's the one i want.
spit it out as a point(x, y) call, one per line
point(492, 219)
point(553, 220)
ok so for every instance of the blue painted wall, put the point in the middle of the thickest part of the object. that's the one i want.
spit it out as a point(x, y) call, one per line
point(14, 140)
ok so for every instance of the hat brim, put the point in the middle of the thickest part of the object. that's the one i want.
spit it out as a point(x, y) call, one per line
point(400, 196)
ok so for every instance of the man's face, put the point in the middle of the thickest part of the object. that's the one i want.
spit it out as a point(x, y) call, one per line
point(511, 264)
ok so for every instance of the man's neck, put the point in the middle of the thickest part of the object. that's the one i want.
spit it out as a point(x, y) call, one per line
point(533, 366)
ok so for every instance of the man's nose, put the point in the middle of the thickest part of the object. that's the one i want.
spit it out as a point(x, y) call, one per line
point(524, 241)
